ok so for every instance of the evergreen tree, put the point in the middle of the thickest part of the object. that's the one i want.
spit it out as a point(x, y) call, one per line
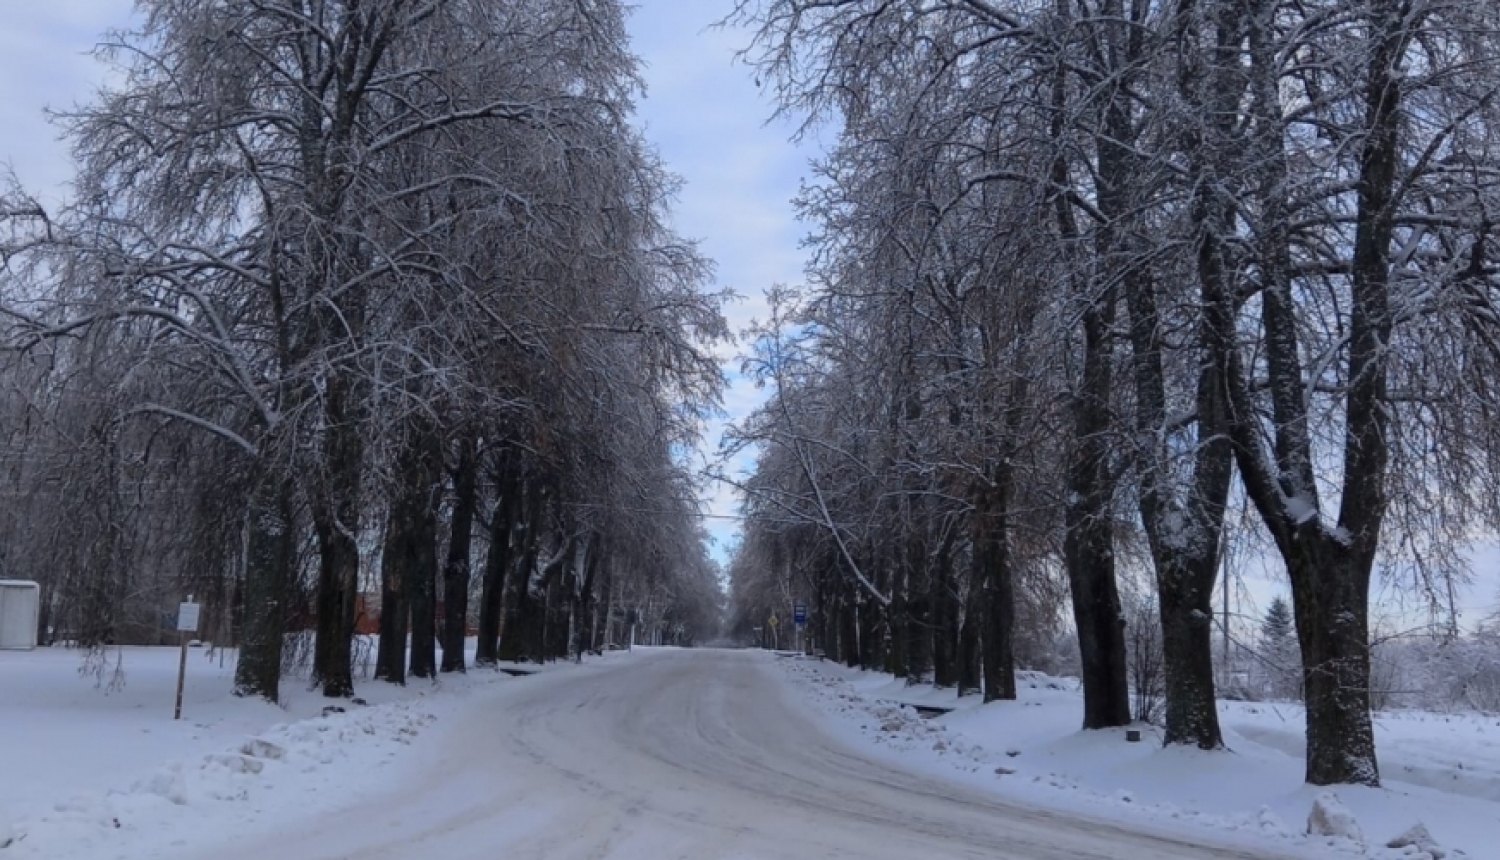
point(1279, 649)
point(1277, 626)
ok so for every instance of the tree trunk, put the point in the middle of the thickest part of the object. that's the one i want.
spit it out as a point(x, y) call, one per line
point(945, 616)
point(407, 558)
point(849, 636)
point(520, 611)
point(1088, 540)
point(336, 521)
point(426, 498)
point(338, 571)
point(1186, 608)
point(1184, 525)
point(1088, 545)
point(896, 629)
point(270, 554)
point(497, 564)
point(556, 605)
point(603, 632)
point(395, 596)
point(970, 663)
point(456, 568)
point(44, 614)
point(918, 617)
point(1330, 595)
point(581, 622)
point(995, 583)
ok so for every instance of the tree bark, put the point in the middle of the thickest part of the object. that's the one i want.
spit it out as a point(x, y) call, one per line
point(497, 564)
point(918, 616)
point(582, 624)
point(426, 497)
point(336, 521)
point(520, 610)
point(1088, 544)
point(1330, 595)
point(897, 626)
point(970, 659)
point(945, 616)
point(406, 583)
point(270, 554)
point(395, 596)
point(338, 571)
point(456, 567)
point(848, 635)
point(995, 580)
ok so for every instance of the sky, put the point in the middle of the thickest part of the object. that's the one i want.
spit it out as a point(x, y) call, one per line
point(711, 124)
point(702, 111)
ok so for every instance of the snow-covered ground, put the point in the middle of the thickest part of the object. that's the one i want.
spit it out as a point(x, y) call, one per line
point(93, 766)
point(1439, 770)
point(681, 754)
point(692, 754)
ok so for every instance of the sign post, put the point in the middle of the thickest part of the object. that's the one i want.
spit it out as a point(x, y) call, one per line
point(799, 618)
point(775, 640)
point(187, 622)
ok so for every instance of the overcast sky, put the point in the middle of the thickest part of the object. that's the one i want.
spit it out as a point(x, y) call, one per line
point(702, 111)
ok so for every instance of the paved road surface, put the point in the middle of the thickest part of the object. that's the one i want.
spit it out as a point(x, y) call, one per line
point(690, 754)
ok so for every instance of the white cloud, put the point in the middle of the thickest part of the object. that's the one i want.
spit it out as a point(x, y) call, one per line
point(709, 121)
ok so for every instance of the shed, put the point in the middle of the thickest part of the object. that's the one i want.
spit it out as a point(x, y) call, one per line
point(20, 603)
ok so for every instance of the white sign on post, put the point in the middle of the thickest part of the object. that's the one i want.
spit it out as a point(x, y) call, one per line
point(187, 617)
point(187, 622)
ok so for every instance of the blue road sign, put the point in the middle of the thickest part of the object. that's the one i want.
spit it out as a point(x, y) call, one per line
point(799, 613)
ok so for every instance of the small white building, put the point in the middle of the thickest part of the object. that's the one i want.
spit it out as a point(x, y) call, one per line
point(20, 603)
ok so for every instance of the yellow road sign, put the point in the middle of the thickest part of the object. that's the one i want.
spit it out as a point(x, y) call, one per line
point(772, 621)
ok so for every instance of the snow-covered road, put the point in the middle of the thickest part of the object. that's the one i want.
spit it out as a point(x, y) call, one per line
point(691, 754)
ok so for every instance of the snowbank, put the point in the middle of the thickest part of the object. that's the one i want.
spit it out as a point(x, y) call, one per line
point(1440, 771)
point(283, 769)
point(94, 772)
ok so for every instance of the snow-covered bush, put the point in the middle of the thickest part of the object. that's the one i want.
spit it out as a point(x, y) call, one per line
point(1437, 670)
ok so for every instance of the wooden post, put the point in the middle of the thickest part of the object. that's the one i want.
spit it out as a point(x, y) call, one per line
point(181, 673)
point(187, 623)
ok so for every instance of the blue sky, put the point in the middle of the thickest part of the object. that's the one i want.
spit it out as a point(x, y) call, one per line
point(702, 110)
point(709, 121)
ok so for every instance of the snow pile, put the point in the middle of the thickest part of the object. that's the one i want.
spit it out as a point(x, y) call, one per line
point(1031, 751)
point(1333, 819)
point(1418, 844)
point(91, 756)
point(282, 767)
point(69, 732)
